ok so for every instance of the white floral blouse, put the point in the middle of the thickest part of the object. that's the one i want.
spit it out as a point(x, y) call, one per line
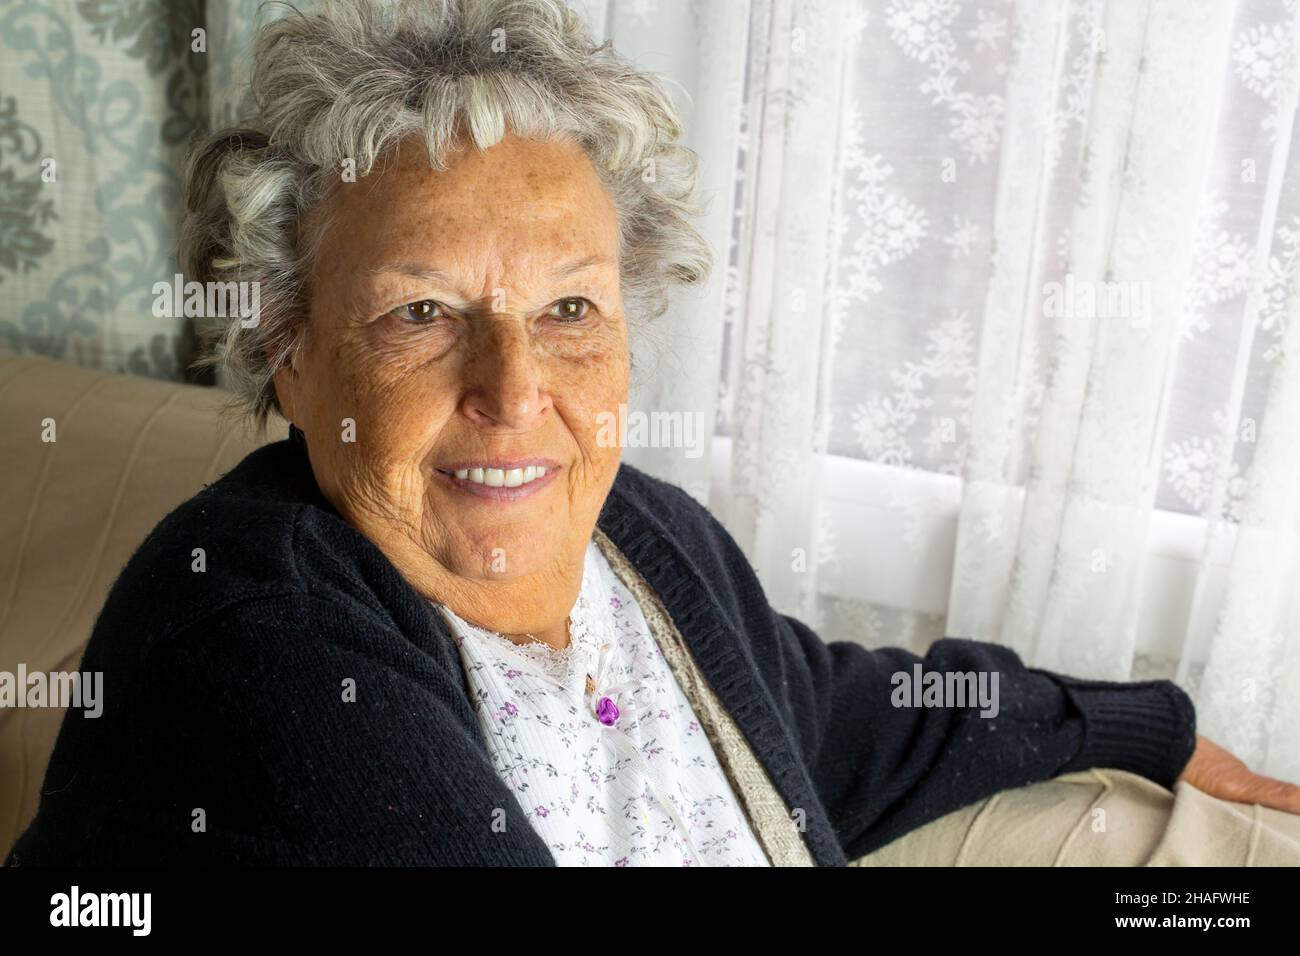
point(612, 771)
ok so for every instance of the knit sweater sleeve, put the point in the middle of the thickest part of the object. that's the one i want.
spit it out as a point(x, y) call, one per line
point(886, 763)
point(288, 730)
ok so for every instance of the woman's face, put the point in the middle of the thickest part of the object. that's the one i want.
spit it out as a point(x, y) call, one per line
point(470, 324)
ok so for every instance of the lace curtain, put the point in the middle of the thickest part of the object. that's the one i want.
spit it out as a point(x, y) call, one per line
point(924, 426)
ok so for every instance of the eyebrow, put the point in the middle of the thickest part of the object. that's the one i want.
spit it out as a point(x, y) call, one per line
point(419, 270)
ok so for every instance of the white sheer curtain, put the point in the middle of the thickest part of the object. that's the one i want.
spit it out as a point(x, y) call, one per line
point(921, 426)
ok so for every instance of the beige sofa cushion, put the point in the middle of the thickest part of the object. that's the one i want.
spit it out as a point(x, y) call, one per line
point(127, 451)
point(1100, 818)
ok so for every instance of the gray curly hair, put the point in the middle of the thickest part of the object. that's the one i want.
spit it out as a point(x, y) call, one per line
point(348, 81)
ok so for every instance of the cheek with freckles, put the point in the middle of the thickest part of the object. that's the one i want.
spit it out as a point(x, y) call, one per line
point(590, 382)
point(389, 418)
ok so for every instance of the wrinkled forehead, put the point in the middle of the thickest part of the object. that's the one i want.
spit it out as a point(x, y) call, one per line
point(517, 205)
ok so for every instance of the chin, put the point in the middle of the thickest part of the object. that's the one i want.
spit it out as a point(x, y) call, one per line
point(501, 552)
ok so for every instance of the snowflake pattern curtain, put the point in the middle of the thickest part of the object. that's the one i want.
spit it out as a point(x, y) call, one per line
point(931, 420)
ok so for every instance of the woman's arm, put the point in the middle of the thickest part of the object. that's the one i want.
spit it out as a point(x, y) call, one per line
point(884, 769)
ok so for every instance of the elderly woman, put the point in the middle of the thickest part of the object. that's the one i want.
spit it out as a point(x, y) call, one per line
point(440, 624)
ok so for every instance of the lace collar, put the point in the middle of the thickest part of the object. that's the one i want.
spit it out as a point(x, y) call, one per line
point(591, 634)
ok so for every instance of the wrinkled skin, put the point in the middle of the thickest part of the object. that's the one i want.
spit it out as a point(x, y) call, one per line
point(494, 360)
point(1218, 773)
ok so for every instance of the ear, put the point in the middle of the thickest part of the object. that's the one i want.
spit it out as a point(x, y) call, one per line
point(288, 385)
point(285, 387)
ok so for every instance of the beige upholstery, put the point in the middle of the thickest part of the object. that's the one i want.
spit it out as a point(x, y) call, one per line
point(1100, 818)
point(72, 511)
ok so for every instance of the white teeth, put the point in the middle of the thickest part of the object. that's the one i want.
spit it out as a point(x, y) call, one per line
point(501, 477)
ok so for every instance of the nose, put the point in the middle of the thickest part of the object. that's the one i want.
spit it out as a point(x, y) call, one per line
point(504, 386)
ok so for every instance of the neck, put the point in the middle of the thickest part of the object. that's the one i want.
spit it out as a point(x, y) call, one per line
point(523, 610)
point(528, 608)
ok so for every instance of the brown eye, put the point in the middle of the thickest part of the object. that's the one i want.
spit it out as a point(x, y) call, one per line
point(417, 312)
point(571, 309)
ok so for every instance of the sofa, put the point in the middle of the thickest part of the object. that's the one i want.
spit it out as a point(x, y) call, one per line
point(124, 452)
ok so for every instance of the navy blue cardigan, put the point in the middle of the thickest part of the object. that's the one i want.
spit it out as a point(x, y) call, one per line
point(223, 694)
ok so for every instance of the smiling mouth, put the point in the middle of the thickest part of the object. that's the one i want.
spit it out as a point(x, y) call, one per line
point(500, 477)
point(502, 481)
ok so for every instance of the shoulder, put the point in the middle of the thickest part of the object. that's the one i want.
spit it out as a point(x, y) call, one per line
point(661, 509)
point(670, 508)
point(676, 542)
point(262, 533)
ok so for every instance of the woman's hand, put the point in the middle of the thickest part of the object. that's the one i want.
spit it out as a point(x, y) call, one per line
point(1214, 771)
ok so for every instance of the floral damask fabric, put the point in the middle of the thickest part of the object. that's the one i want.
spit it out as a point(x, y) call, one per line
point(98, 100)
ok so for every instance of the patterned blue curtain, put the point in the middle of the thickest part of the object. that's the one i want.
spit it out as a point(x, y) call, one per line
point(99, 101)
